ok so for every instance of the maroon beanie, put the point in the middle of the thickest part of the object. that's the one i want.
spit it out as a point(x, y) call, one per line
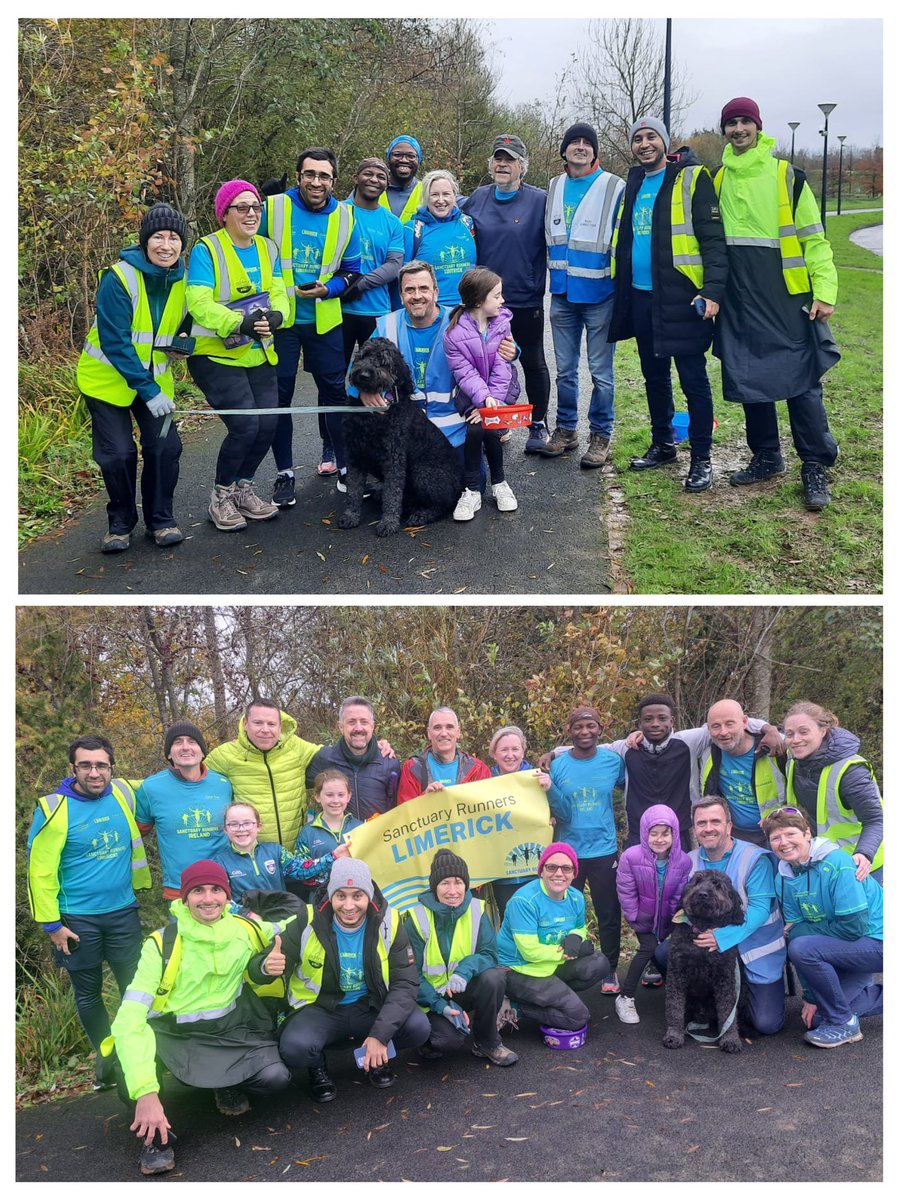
point(741, 106)
point(203, 872)
point(227, 193)
point(559, 848)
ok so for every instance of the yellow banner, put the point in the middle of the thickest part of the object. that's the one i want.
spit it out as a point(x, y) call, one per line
point(499, 826)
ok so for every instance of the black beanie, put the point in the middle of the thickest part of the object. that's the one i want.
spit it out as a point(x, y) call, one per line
point(445, 865)
point(579, 130)
point(185, 729)
point(160, 217)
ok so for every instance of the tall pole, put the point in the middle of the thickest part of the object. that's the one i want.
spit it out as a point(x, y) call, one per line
point(841, 149)
point(667, 74)
point(793, 125)
point(825, 109)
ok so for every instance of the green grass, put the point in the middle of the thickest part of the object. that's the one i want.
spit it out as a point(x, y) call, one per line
point(761, 539)
point(854, 202)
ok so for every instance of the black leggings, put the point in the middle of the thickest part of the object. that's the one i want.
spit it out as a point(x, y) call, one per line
point(600, 875)
point(87, 986)
point(527, 327)
point(647, 944)
point(477, 439)
point(249, 438)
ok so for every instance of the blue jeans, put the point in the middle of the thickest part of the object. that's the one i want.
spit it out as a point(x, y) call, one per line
point(323, 358)
point(766, 1001)
point(839, 975)
point(567, 323)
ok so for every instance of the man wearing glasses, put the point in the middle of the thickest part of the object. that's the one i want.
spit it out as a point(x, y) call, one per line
point(85, 860)
point(319, 247)
point(403, 194)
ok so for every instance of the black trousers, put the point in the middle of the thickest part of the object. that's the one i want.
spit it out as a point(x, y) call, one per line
point(809, 425)
point(309, 1030)
point(527, 327)
point(478, 438)
point(113, 937)
point(600, 875)
point(552, 1000)
point(647, 944)
point(482, 999)
point(323, 358)
point(248, 438)
point(116, 454)
point(356, 330)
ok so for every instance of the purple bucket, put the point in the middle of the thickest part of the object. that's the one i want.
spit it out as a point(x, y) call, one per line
point(564, 1039)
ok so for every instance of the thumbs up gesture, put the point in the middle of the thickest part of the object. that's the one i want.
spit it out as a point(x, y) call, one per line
point(275, 960)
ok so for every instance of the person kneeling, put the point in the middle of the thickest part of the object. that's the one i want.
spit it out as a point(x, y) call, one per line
point(207, 1028)
point(455, 948)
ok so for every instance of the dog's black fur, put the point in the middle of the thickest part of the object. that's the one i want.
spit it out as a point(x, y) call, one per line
point(700, 984)
point(421, 472)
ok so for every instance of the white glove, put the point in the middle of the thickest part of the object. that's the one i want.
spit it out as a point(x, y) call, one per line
point(160, 405)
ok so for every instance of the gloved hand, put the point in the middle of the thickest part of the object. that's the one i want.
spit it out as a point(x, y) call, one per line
point(160, 405)
point(275, 318)
point(586, 948)
point(457, 1018)
point(456, 983)
point(247, 325)
point(572, 944)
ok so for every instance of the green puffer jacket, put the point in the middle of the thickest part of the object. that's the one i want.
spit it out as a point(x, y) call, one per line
point(273, 780)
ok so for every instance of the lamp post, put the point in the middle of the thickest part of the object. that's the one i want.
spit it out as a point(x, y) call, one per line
point(793, 125)
point(825, 109)
point(668, 73)
point(841, 150)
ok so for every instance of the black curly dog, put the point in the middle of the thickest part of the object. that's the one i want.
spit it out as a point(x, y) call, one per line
point(421, 472)
point(701, 984)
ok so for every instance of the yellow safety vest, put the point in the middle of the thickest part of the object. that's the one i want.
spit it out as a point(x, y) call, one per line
point(686, 249)
point(794, 268)
point(769, 784)
point(464, 942)
point(96, 375)
point(337, 236)
point(414, 202)
point(231, 282)
point(306, 982)
point(834, 820)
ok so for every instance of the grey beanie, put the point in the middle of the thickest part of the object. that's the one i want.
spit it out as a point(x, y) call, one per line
point(350, 873)
point(650, 123)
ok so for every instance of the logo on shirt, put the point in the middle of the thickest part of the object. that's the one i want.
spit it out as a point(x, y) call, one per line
point(523, 855)
point(270, 866)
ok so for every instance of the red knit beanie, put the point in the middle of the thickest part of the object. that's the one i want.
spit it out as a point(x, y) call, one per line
point(227, 193)
point(203, 872)
point(741, 106)
point(559, 848)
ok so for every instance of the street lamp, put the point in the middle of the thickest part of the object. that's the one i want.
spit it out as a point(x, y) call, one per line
point(825, 109)
point(841, 149)
point(793, 125)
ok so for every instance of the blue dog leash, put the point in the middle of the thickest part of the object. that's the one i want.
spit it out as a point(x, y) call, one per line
point(692, 1026)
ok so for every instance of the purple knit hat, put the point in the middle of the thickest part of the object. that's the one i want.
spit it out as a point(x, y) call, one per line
point(227, 193)
point(559, 848)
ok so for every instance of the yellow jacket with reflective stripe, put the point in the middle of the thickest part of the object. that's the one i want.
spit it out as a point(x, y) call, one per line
point(834, 820)
point(305, 984)
point(768, 781)
point(686, 248)
point(464, 943)
point(414, 201)
point(337, 235)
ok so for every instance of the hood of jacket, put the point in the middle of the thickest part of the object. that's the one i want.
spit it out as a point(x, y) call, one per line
point(429, 900)
point(685, 156)
point(753, 160)
point(275, 907)
point(428, 218)
point(837, 744)
point(67, 788)
point(136, 258)
point(289, 728)
point(820, 848)
point(658, 814)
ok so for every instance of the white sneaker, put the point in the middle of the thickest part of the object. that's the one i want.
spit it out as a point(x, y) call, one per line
point(503, 494)
point(468, 505)
point(625, 1010)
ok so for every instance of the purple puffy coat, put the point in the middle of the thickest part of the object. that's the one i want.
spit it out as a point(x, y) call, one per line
point(478, 368)
point(645, 907)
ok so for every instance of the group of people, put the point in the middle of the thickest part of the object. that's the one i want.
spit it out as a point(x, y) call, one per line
point(671, 257)
point(281, 944)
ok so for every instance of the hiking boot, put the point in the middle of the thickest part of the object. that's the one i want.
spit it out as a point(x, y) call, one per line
point(597, 453)
point(816, 486)
point(610, 985)
point(765, 464)
point(700, 475)
point(157, 1159)
point(382, 1077)
point(468, 505)
point(625, 1010)
point(560, 441)
point(115, 543)
point(537, 439)
point(170, 536)
point(828, 1036)
point(657, 455)
point(428, 1052)
point(322, 1086)
point(223, 512)
point(283, 491)
point(249, 504)
point(503, 495)
point(104, 1073)
point(231, 1102)
point(500, 1055)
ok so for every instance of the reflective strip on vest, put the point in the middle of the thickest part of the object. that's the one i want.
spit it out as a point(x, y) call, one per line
point(593, 212)
point(685, 246)
point(794, 268)
point(221, 253)
point(139, 998)
point(772, 243)
point(834, 821)
point(434, 967)
point(209, 1014)
point(337, 236)
point(279, 225)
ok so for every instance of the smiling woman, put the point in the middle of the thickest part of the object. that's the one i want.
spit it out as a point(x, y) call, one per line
point(440, 234)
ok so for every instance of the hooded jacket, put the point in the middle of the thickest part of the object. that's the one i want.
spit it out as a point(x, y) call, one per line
point(645, 906)
point(824, 896)
point(447, 243)
point(373, 778)
point(445, 919)
point(478, 368)
point(415, 778)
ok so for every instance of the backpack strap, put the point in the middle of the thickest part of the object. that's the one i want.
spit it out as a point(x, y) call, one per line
point(168, 941)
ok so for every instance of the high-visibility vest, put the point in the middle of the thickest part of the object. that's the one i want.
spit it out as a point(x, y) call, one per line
point(337, 236)
point(794, 268)
point(49, 841)
point(306, 982)
point(414, 202)
point(463, 943)
point(231, 282)
point(686, 249)
point(768, 781)
point(584, 250)
point(96, 375)
point(834, 820)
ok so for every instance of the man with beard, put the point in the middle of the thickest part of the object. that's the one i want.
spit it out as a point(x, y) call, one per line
point(373, 776)
point(403, 194)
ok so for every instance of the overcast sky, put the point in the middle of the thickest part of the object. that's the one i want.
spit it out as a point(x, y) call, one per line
point(787, 66)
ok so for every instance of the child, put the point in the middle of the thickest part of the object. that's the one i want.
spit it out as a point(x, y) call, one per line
point(650, 880)
point(318, 839)
point(253, 865)
point(484, 380)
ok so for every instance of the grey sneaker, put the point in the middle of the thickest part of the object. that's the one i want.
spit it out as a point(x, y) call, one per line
point(499, 1054)
point(115, 543)
point(597, 453)
point(249, 504)
point(155, 1160)
point(560, 441)
point(170, 536)
point(537, 439)
point(223, 512)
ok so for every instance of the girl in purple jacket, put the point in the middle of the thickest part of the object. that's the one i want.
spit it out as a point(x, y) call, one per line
point(650, 880)
point(484, 380)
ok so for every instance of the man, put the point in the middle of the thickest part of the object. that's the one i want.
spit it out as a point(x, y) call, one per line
point(208, 1029)
point(381, 256)
point(373, 776)
point(771, 335)
point(442, 764)
point(356, 979)
point(509, 218)
point(582, 205)
point(85, 860)
point(403, 194)
point(668, 263)
point(320, 252)
point(760, 939)
point(185, 804)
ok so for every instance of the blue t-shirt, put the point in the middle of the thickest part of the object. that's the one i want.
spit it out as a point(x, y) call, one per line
point(201, 271)
point(642, 221)
point(188, 815)
point(531, 912)
point(440, 772)
point(351, 971)
point(581, 798)
point(574, 192)
point(737, 783)
point(422, 341)
point(380, 232)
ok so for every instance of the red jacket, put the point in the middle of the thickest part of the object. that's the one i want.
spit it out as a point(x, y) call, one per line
point(414, 778)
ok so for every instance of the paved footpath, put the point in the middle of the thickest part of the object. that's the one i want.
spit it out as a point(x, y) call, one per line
point(622, 1109)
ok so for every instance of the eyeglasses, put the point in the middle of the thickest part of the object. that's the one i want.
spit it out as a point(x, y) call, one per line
point(402, 156)
point(240, 825)
point(244, 209)
point(559, 870)
point(88, 767)
point(314, 176)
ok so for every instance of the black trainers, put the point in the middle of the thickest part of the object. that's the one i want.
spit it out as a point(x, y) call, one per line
point(157, 1159)
point(763, 465)
point(537, 439)
point(382, 1077)
point(656, 455)
point(283, 491)
point(322, 1086)
point(428, 1052)
point(700, 475)
point(816, 486)
point(231, 1102)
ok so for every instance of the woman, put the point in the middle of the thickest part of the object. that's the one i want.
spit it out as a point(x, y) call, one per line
point(125, 371)
point(835, 786)
point(508, 749)
point(441, 235)
point(237, 299)
point(833, 925)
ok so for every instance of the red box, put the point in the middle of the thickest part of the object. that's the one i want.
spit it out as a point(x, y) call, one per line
point(507, 416)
